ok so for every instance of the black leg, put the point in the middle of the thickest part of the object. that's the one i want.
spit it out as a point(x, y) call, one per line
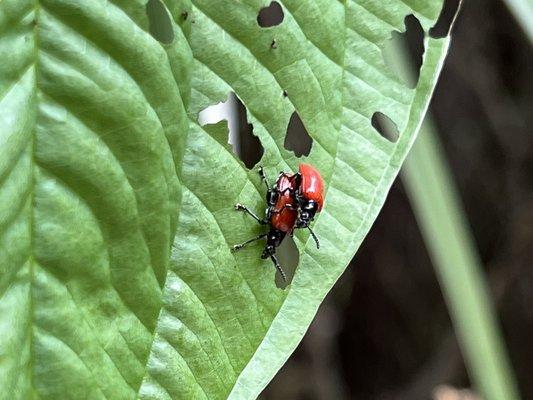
point(278, 267)
point(240, 207)
point(263, 177)
point(240, 246)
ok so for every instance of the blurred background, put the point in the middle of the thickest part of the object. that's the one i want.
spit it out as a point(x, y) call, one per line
point(384, 332)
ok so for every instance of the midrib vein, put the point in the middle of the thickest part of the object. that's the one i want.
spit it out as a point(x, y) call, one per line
point(31, 258)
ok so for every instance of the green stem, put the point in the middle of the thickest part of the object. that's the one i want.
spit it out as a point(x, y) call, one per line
point(441, 219)
point(446, 234)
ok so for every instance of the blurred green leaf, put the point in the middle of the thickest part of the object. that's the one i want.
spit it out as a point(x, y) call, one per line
point(523, 12)
point(226, 328)
point(92, 128)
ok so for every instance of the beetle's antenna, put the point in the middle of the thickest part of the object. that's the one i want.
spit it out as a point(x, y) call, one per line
point(278, 267)
point(314, 237)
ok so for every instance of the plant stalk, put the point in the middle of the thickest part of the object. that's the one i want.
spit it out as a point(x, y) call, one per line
point(442, 221)
point(444, 227)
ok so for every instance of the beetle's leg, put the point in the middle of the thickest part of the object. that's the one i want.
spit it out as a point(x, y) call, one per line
point(278, 267)
point(240, 207)
point(263, 177)
point(240, 246)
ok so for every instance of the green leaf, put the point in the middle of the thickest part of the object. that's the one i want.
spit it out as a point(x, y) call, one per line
point(225, 328)
point(92, 127)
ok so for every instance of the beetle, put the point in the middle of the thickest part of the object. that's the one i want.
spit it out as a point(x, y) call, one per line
point(292, 203)
point(309, 195)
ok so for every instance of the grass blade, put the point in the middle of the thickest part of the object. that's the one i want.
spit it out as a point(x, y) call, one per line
point(445, 230)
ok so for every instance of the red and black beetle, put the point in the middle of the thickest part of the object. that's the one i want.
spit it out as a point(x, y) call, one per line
point(291, 203)
point(309, 194)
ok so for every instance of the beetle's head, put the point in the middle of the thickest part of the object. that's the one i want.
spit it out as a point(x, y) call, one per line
point(308, 209)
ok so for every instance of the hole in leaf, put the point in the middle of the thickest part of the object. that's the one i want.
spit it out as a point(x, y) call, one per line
point(288, 257)
point(270, 16)
point(411, 41)
point(160, 22)
point(446, 18)
point(251, 149)
point(244, 143)
point(414, 34)
point(223, 111)
point(385, 126)
point(297, 138)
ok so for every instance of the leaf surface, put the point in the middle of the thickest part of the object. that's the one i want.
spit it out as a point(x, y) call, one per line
point(92, 126)
point(225, 328)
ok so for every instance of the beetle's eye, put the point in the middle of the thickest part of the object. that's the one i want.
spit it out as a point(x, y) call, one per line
point(311, 206)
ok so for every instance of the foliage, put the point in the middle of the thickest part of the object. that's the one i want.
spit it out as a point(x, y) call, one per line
point(226, 328)
point(92, 127)
point(93, 124)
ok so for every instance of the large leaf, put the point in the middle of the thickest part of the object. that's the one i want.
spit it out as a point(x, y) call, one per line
point(226, 328)
point(92, 127)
